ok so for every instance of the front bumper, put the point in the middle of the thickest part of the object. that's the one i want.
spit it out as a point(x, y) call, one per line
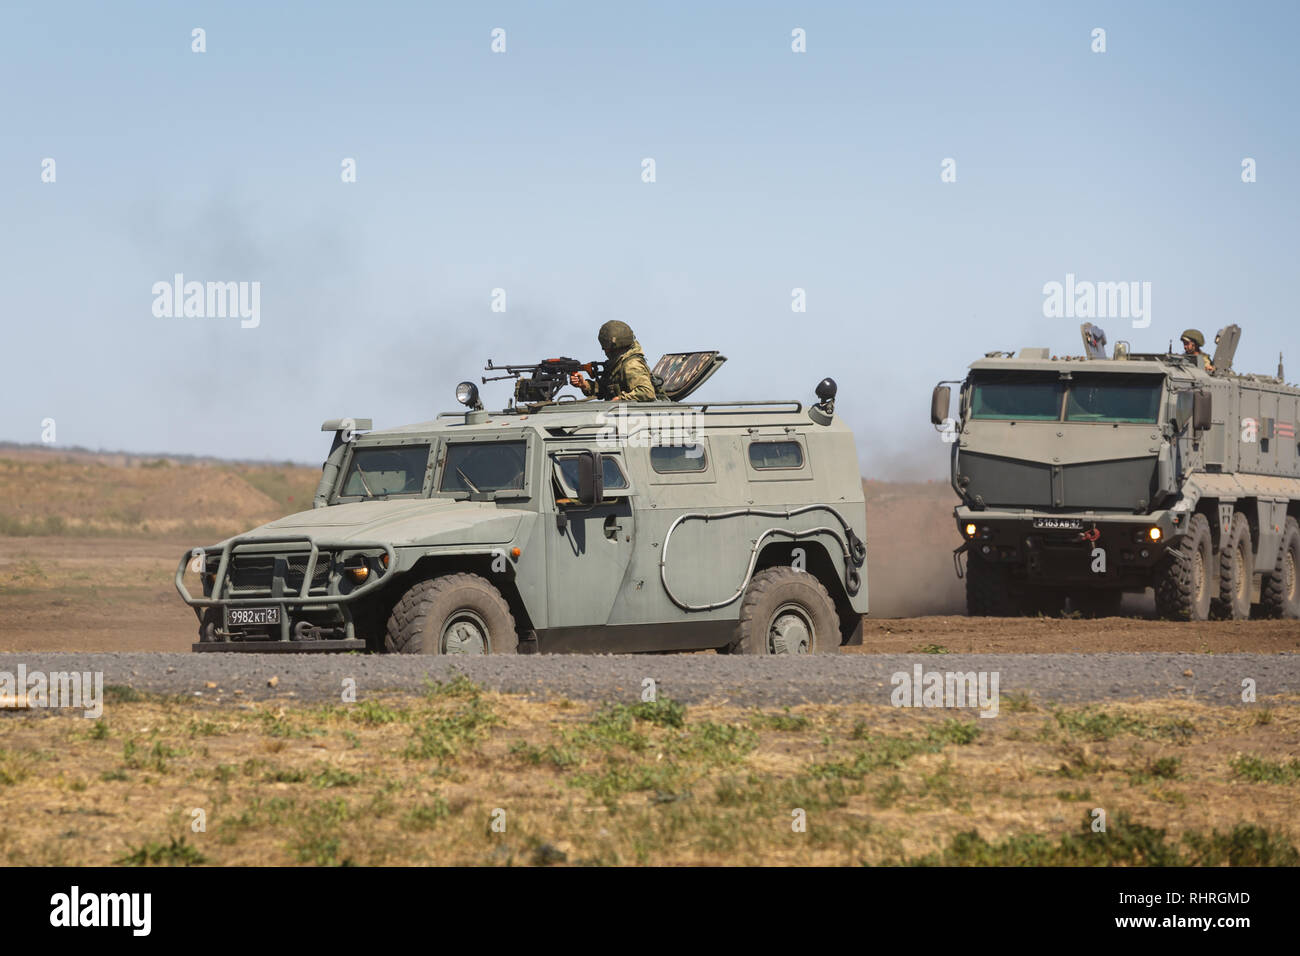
point(1065, 551)
point(303, 577)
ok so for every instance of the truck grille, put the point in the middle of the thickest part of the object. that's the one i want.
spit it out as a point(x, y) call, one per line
point(252, 574)
point(1117, 485)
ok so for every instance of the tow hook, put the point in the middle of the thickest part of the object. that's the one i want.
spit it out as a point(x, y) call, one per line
point(1092, 534)
point(305, 631)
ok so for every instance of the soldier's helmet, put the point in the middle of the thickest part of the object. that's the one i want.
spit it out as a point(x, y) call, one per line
point(614, 336)
point(1194, 335)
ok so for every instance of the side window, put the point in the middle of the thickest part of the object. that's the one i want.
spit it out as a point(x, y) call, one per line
point(767, 455)
point(677, 459)
point(615, 480)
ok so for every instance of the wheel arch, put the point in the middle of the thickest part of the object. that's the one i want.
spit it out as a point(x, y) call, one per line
point(820, 564)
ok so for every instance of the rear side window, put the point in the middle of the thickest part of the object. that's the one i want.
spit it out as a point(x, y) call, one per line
point(765, 455)
point(676, 459)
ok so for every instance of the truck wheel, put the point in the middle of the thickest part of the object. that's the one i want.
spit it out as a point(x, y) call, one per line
point(452, 614)
point(1236, 571)
point(1184, 584)
point(786, 612)
point(987, 590)
point(1280, 595)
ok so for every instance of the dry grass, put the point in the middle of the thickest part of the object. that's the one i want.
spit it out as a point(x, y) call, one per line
point(416, 780)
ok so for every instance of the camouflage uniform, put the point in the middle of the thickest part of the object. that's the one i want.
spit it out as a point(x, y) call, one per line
point(626, 378)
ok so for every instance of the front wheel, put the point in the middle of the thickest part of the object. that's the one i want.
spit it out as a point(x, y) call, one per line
point(1185, 581)
point(786, 612)
point(452, 614)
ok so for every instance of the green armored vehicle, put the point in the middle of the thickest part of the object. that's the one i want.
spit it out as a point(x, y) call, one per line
point(555, 526)
point(1084, 478)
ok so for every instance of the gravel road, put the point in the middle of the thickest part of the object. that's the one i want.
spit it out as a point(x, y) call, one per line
point(691, 678)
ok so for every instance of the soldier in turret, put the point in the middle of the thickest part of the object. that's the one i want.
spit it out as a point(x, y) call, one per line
point(1193, 343)
point(627, 376)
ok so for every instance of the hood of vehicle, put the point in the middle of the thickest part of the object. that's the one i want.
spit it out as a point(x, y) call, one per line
point(402, 522)
point(1061, 466)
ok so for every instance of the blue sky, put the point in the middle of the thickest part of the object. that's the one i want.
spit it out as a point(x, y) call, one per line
point(522, 171)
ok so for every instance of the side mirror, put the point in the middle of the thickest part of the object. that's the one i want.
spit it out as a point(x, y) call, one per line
point(1183, 403)
point(591, 478)
point(1202, 411)
point(939, 402)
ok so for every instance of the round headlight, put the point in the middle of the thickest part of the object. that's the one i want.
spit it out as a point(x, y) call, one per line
point(467, 393)
point(970, 530)
point(1155, 534)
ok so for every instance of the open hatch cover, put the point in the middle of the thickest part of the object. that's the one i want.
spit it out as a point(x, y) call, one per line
point(683, 372)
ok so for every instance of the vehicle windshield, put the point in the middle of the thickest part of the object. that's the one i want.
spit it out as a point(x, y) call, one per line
point(1123, 399)
point(1036, 397)
point(484, 466)
point(1025, 398)
point(379, 472)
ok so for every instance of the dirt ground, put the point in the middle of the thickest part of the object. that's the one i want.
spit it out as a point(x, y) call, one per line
point(67, 593)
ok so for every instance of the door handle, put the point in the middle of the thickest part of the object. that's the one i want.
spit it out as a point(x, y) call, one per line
point(612, 527)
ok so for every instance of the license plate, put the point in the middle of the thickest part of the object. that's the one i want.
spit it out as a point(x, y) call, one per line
point(252, 616)
point(1059, 524)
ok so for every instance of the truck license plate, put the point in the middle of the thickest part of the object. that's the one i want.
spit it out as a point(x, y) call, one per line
point(1059, 524)
point(253, 616)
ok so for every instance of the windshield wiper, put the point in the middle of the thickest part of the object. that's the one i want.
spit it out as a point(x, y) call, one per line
point(465, 478)
point(364, 484)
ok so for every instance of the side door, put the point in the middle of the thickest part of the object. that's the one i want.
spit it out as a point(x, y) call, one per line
point(589, 546)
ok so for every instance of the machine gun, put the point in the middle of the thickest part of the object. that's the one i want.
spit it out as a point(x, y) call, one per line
point(540, 382)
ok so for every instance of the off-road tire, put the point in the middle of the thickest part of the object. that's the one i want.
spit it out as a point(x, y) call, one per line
point(785, 611)
point(988, 590)
point(1185, 581)
point(1236, 572)
point(421, 620)
point(1280, 594)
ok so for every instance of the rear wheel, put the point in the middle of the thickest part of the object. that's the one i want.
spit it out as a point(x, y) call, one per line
point(452, 614)
point(1236, 572)
point(1280, 594)
point(1183, 583)
point(786, 612)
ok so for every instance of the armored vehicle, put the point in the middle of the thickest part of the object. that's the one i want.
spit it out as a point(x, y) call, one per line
point(554, 526)
point(1084, 478)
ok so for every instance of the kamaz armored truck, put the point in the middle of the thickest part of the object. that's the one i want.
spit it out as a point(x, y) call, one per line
point(1084, 478)
point(560, 525)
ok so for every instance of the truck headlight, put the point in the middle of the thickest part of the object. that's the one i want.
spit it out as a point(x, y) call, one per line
point(1155, 534)
point(467, 394)
point(970, 530)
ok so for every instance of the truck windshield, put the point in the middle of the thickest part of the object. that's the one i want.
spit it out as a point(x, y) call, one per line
point(484, 466)
point(1023, 398)
point(378, 472)
point(1036, 397)
point(1123, 399)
